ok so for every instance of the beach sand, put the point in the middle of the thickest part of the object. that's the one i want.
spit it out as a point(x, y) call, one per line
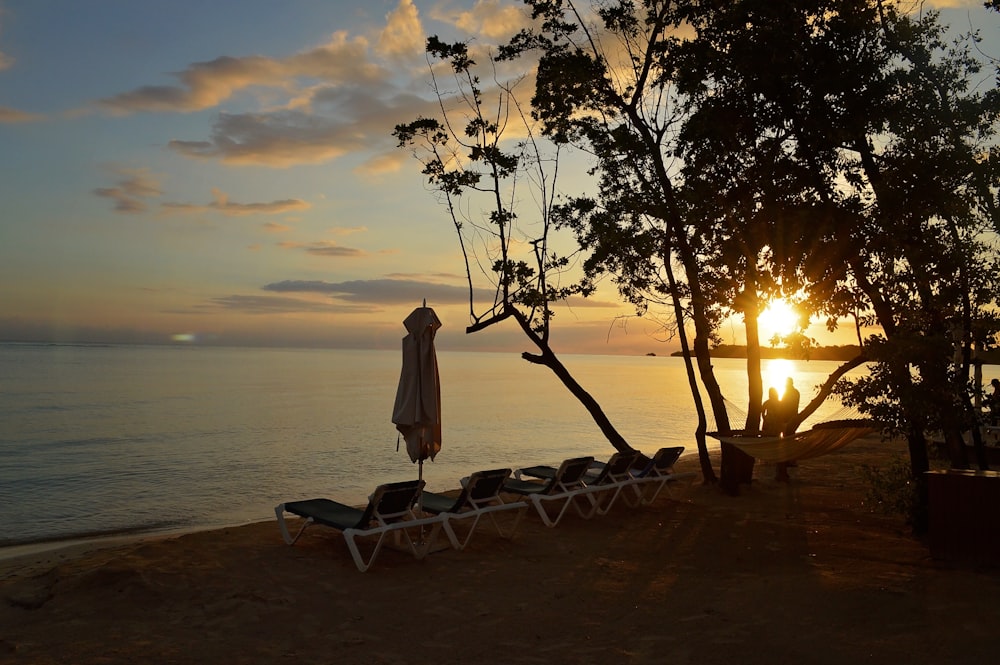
point(785, 573)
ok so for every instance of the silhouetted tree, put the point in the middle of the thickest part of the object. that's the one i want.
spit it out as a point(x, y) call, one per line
point(831, 149)
point(485, 146)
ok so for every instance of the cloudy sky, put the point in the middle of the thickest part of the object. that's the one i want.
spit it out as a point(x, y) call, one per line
point(224, 171)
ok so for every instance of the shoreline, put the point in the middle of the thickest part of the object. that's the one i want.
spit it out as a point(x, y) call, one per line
point(86, 542)
point(785, 571)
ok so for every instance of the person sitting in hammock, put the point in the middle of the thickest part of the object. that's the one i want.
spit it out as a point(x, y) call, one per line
point(789, 413)
point(770, 412)
point(789, 408)
point(993, 402)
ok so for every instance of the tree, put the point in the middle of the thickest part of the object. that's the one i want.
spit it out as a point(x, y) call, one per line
point(855, 131)
point(613, 81)
point(831, 149)
point(470, 153)
point(601, 84)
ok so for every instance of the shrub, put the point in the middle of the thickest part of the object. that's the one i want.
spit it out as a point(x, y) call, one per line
point(893, 491)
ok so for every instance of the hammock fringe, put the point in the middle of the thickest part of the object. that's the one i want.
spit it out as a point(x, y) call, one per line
point(823, 438)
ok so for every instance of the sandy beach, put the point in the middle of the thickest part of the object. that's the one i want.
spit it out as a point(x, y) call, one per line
point(799, 572)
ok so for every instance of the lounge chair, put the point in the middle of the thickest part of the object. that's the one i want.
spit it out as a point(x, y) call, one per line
point(480, 496)
point(389, 510)
point(647, 481)
point(601, 478)
point(565, 486)
point(611, 478)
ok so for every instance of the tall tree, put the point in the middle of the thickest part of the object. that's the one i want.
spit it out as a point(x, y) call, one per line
point(835, 150)
point(865, 133)
point(484, 146)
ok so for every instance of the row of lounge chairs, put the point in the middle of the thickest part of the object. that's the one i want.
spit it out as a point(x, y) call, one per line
point(404, 512)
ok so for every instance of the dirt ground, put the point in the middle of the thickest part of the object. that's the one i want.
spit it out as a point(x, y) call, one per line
point(798, 573)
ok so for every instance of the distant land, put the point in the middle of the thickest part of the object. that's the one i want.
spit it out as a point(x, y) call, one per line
point(767, 353)
point(846, 352)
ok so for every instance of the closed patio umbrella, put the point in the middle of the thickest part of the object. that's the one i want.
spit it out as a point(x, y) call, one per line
point(417, 411)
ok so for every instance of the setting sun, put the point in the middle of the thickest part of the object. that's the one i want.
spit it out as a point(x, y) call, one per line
point(778, 319)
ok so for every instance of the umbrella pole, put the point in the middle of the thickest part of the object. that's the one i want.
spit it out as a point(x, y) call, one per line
point(420, 497)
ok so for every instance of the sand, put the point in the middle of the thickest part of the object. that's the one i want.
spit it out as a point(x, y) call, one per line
point(785, 573)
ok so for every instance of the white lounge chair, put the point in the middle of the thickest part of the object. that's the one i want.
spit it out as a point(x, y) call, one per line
point(389, 511)
point(564, 487)
point(480, 496)
point(647, 481)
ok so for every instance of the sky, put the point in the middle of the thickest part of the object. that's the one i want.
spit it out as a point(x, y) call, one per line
point(224, 172)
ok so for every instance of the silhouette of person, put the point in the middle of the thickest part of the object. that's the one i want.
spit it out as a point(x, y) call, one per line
point(993, 402)
point(789, 411)
point(771, 414)
point(789, 407)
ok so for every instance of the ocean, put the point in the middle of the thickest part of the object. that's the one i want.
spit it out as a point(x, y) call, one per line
point(109, 440)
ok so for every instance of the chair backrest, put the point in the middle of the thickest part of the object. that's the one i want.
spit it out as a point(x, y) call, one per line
point(484, 487)
point(570, 473)
point(616, 469)
point(393, 501)
point(662, 462)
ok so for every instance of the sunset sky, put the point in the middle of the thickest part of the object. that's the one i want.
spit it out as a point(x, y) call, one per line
point(224, 172)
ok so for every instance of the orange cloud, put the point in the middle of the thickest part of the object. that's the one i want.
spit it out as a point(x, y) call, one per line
point(348, 231)
point(9, 115)
point(229, 208)
point(325, 248)
point(340, 98)
point(207, 84)
point(132, 191)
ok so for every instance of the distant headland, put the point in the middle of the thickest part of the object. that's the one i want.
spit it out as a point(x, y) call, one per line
point(846, 352)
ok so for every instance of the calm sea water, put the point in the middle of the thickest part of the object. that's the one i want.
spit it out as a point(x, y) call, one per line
point(130, 439)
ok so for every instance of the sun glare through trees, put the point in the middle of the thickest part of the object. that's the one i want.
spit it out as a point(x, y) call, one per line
point(778, 319)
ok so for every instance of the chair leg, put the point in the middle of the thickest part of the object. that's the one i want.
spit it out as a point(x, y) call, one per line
point(521, 508)
point(351, 535)
point(279, 511)
point(616, 489)
point(567, 499)
point(449, 528)
point(449, 531)
point(633, 497)
point(477, 516)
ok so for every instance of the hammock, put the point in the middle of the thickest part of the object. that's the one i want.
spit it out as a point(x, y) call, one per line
point(823, 438)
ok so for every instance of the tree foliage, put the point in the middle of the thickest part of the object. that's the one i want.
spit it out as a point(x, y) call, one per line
point(838, 153)
point(834, 151)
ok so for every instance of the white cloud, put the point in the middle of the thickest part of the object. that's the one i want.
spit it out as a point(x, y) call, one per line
point(493, 19)
point(318, 105)
point(403, 35)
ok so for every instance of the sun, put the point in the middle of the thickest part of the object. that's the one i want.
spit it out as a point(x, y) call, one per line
point(778, 319)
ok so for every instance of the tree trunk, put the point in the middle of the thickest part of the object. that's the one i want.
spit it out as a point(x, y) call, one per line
point(549, 359)
point(919, 464)
point(707, 472)
point(955, 444)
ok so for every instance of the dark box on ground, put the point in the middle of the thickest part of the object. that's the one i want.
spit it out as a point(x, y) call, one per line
point(964, 515)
